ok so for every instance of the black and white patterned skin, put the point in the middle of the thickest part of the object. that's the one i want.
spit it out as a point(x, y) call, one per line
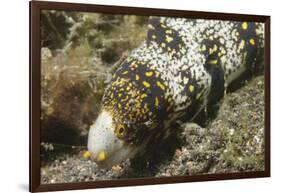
point(182, 64)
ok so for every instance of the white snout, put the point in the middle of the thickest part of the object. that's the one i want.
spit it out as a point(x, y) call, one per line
point(105, 147)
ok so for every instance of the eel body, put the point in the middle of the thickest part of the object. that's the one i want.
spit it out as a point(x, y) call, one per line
point(181, 66)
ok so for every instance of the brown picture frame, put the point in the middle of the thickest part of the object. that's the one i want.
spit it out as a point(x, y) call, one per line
point(34, 175)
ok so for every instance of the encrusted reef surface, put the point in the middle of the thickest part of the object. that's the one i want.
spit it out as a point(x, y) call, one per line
point(77, 64)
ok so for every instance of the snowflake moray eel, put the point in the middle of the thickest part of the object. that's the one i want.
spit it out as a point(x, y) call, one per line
point(181, 66)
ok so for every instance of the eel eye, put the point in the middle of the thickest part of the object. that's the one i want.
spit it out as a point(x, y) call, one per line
point(120, 131)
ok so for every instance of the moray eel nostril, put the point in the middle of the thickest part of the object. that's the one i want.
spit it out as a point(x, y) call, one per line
point(183, 65)
point(101, 156)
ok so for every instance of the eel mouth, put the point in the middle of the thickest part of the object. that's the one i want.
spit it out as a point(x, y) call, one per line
point(106, 161)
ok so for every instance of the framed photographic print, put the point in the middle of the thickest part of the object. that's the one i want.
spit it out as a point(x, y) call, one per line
point(123, 96)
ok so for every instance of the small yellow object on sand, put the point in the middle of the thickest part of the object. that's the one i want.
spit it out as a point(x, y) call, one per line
point(116, 168)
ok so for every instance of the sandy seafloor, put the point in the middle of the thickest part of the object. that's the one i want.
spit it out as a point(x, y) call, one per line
point(229, 139)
